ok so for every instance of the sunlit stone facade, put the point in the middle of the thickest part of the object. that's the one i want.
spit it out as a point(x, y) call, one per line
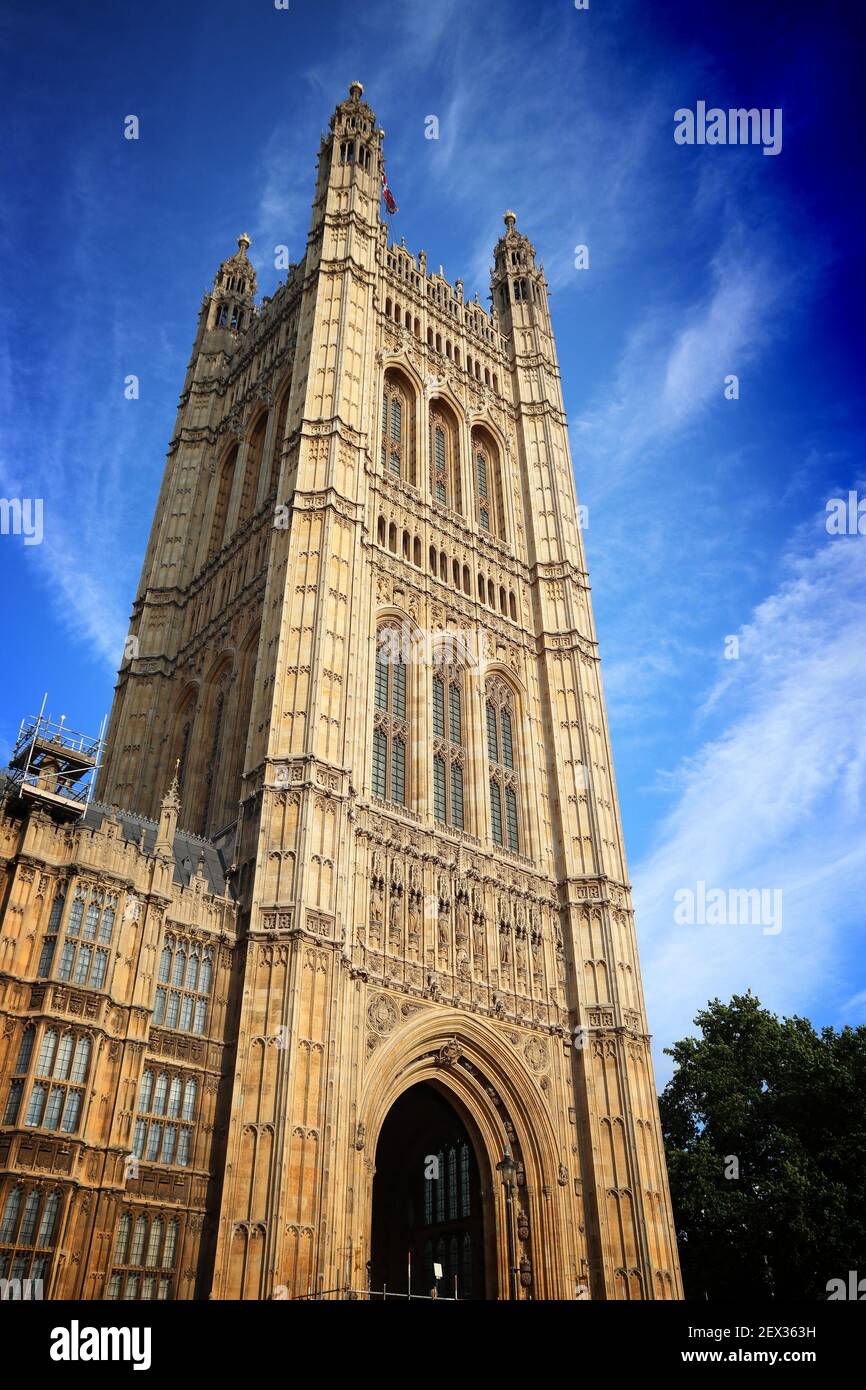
point(363, 680)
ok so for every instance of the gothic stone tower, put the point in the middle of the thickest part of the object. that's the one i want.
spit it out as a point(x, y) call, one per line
point(364, 630)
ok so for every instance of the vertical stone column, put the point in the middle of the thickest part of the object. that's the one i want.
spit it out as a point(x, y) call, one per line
point(633, 1254)
point(286, 1135)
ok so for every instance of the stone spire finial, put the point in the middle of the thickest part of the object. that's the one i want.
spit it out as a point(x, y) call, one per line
point(168, 814)
point(237, 276)
point(353, 114)
point(172, 796)
point(513, 254)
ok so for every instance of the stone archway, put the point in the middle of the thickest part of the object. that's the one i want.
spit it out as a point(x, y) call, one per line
point(481, 1077)
point(431, 1187)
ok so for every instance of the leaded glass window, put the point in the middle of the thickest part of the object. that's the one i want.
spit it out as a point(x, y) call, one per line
point(183, 986)
point(390, 718)
point(499, 709)
point(448, 750)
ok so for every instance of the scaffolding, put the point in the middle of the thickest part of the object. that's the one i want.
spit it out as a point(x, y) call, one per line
point(54, 765)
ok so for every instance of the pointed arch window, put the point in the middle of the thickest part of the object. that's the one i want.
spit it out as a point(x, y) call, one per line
point(503, 773)
point(489, 506)
point(445, 485)
point(440, 479)
point(277, 446)
point(448, 750)
point(252, 469)
point(482, 479)
point(218, 698)
point(221, 506)
point(397, 451)
point(390, 721)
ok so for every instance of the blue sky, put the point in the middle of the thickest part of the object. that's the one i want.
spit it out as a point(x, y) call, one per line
point(706, 515)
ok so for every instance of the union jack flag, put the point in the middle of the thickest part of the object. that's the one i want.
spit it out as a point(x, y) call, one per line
point(390, 204)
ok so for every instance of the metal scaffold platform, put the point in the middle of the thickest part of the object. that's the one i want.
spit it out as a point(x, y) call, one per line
point(54, 764)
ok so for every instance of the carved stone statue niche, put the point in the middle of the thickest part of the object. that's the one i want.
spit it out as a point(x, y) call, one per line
point(504, 944)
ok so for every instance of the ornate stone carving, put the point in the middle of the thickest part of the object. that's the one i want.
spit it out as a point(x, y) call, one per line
point(536, 1054)
point(381, 1013)
point(450, 1053)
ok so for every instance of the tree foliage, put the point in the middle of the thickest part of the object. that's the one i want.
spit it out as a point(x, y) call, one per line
point(783, 1107)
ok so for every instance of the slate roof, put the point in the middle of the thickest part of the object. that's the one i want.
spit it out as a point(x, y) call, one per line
point(188, 848)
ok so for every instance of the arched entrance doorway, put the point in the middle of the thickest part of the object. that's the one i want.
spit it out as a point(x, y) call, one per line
point(427, 1200)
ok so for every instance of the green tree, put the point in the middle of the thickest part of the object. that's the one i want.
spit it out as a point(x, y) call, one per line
point(765, 1132)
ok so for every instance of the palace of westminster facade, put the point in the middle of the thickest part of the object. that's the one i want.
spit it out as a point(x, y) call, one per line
point(338, 965)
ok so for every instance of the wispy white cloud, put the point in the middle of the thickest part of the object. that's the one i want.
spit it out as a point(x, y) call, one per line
point(852, 1011)
point(73, 446)
point(774, 801)
point(565, 156)
point(671, 488)
point(678, 355)
point(284, 201)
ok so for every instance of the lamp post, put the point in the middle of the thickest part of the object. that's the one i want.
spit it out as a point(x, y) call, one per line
point(508, 1169)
